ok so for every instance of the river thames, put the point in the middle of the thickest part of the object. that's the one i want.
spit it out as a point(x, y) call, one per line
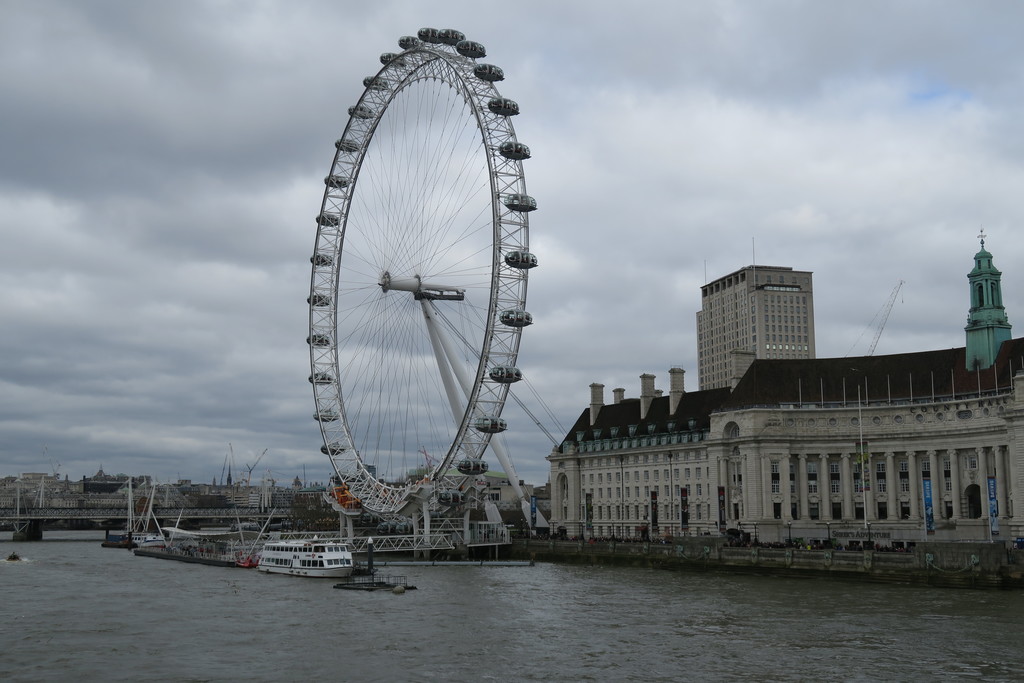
point(74, 610)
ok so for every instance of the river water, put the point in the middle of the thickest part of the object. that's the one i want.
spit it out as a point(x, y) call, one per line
point(74, 610)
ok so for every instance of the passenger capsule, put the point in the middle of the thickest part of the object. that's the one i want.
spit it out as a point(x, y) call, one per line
point(472, 467)
point(521, 202)
point(406, 42)
point(375, 83)
point(336, 181)
point(488, 72)
point(333, 448)
point(523, 260)
point(516, 151)
point(388, 528)
point(505, 374)
point(318, 340)
point(450, 36)
point(321, 260)
point(471, 49)
point(503, 106)
point(331, 219)
point(321, 378)
point(515, 317)
point(391, 57)
point(318, 300)
point(360, 112)
point(327, 416)
point(343, 145)
point(428, 35)
point(490, 425)
point(450, 497)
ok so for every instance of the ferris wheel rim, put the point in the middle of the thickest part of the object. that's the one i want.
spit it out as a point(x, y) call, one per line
point(509, 205)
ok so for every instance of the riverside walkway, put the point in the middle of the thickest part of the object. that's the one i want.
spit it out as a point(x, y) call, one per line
point(948, 564)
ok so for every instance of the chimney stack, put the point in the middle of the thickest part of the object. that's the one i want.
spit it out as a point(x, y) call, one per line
point(646, 393)
point(676, 388)
point(596, 401)
point(618, 394)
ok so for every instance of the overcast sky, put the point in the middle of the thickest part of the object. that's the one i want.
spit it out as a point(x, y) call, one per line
point(161, 164)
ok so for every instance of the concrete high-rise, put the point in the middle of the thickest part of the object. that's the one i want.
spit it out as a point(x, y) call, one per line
point(754, 312)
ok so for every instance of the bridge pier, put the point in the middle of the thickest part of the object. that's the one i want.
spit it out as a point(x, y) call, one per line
point(28, 530)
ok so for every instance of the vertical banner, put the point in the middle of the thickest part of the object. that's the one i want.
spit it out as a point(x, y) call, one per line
point(993, 507)
point(654, 511)
point(929, 512)
point(864, 458)
point(684, 508)
point(533, 512)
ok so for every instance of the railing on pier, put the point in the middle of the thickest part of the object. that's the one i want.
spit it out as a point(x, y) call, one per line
point(11, 514)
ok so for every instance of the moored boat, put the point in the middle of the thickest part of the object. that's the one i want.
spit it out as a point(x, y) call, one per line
point(313, 558)
point(129, 539)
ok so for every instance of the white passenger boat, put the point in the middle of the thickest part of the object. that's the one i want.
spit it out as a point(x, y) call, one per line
point(314, 558)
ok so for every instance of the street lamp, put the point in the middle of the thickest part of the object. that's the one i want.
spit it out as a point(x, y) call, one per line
point(789, 528)
point(755, 533)
point(869, 537)
point(828, 527)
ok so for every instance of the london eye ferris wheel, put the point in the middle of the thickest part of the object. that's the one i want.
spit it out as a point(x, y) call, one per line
point(418, 290)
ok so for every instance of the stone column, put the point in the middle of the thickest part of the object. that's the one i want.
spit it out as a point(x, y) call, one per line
point(801, 485)
point(750, 483)
point(954, 479)
point(787, 496)
point(825, 489)
point(1001, 474)
point(892, 482)
point(766, 486)
point(913, 481)
point(982, 482)
point(726, 483)
point(847, 486)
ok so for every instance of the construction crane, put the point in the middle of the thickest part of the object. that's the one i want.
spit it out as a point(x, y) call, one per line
point(878, 322)
point(884, 315)
point(250, 468)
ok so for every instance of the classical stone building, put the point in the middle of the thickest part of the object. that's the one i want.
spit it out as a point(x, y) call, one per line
point(766, 310)
point(881, 449)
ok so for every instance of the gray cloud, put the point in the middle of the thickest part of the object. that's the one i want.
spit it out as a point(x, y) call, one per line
point(162, 165)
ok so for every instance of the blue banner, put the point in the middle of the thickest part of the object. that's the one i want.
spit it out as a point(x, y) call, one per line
point(929, 514)
point(993, 506)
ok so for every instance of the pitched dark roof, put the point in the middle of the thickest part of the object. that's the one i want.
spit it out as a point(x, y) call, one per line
point(696, 405)
point(903, 376)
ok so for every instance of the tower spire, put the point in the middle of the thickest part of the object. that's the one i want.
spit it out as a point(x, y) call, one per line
point(987, 326)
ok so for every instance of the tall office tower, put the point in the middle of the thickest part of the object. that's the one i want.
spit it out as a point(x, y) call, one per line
point(767, 311)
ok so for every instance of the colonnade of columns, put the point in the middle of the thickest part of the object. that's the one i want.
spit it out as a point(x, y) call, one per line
point(751, 494)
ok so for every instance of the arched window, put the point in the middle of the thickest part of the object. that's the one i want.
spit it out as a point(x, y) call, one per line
point(732, 431)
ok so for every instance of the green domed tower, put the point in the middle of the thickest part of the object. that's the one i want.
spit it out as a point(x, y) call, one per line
point(987, 326)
